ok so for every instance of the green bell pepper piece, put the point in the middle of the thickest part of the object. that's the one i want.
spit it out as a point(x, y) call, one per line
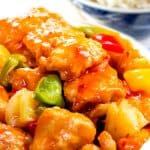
point(13, 61)
point(93, 30)
point(49, 91)
point(40, 110)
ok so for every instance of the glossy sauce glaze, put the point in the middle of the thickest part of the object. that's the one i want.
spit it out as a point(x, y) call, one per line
point(104, 108)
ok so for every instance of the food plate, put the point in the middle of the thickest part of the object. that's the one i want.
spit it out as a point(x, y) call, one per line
point(61, 85)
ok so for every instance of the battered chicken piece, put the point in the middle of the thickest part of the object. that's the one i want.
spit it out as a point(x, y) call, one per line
point(134, 142)
point(25, 78)
point(3, 102)
point(90, 147)
point(61, 48)
point(128, 60)
point(73, 60)
point(143, 105)
point(106, 141)
point(94, 87)
point(13, 138)
point(12, 31)
point(55, 45)
point(59, 129)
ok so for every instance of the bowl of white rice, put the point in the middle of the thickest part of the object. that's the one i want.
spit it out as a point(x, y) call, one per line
point(129, 16)
point(125, 4)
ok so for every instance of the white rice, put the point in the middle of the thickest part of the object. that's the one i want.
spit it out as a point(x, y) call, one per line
point(125, 3)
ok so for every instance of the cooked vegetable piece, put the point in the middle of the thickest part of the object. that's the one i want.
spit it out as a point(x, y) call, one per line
point(93, 30)
point(31, 127)
point(21, 109)
point(49, 91)
point(13, 61)
point(4, 54)
point(59, 129)
point(138, 79)
point(40, 109)
point(124, 119)
point(108, 42)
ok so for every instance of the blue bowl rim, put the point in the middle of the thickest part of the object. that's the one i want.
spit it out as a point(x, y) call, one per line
point(116, 10)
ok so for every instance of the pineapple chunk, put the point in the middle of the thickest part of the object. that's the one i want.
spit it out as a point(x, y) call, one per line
point(4, 54)
point(124, 119)
point(21, 109)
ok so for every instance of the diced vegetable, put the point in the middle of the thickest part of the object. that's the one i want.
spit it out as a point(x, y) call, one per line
point(124, 119)
point(49, 91)
point(31, 127)
point(138, 79)
point(21, 109)
point(92, 30)
point(13, 61)
point(4, 54)
point(104, 36)
point(108, 42)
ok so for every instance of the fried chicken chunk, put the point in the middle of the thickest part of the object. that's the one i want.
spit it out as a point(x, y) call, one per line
point(13, 138)
point(54, 44)
point(3, 102)
point(135, 141)
point(106, 141)
point(129, 59)
point(25, 78)
point(60, 129)
point(100, 85)
point(90, 147)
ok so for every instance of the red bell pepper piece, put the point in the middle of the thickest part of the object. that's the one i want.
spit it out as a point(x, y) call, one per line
point(31, 127)
point(108, 42)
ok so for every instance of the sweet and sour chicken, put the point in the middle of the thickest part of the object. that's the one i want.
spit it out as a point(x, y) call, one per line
point(55, 45)
point(70, 88)
point(60, 129)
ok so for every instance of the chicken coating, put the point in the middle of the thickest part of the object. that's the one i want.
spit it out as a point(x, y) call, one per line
point(135, 141)
point(3, 102)
point(13, 138)
point(25, 78)
point(106, 141)
point(54, 44)
point(90, 147)
point(143, 105)
point(13, 31)
point(100, 85)
point(59, 129)
point(128, 60)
